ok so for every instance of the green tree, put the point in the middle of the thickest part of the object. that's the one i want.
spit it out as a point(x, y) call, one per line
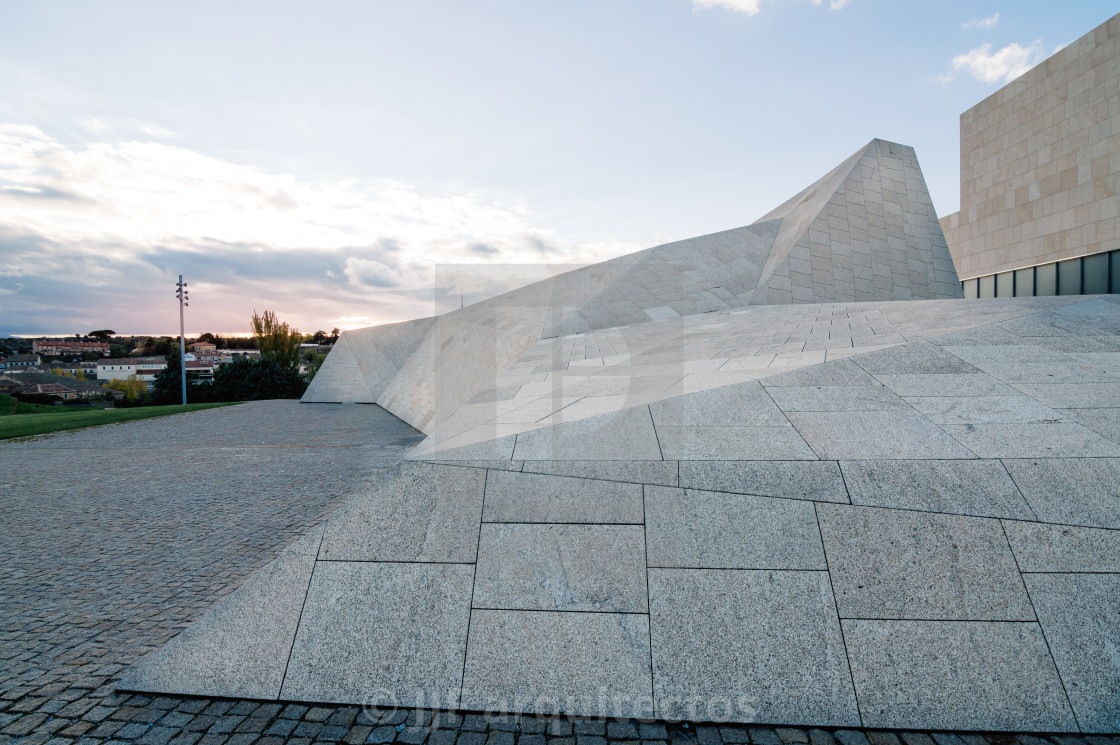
point(319, 336)
point(277, 341)
point(135, 391)
point(166, 387)
point(91, 356)
point(239, 342)
point(211, 339)
point(160, 347)
point(334, 335)
point(255, 380)
point(314, 361)
point(101, 334)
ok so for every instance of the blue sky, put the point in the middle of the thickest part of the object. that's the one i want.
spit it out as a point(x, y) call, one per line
point(331, 161)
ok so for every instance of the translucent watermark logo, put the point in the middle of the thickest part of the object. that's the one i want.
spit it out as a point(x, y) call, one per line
point(431, 709)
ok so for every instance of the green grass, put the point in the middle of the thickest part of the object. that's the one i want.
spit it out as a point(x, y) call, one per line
point(58, 418)
point(9, 405)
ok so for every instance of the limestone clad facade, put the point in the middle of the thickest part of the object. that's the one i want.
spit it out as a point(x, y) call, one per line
point(1040, 178)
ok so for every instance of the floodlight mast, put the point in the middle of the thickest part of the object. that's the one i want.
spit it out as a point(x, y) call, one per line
point(181, 293)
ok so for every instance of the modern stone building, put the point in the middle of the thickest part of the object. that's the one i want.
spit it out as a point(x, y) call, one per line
point(1040, 178)
point(785, 473)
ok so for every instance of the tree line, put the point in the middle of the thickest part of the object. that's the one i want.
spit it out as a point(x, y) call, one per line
point(273, 374)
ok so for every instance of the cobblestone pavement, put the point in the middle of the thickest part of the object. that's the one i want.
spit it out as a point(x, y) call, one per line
point(116, 538)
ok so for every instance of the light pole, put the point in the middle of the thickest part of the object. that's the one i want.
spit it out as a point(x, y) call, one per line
point(181, 293)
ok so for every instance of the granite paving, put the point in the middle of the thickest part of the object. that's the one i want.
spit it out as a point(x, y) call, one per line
point(864, 568)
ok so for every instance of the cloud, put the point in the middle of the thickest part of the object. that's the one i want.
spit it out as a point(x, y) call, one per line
point(94, 234)
point(482, 249)
point(982, 23)
point(1003, 65)
point(752, 7)
point(370, 273)
point(157, 132)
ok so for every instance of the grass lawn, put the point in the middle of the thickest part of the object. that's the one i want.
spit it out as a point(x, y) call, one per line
point(58, 418)
point(9, 405)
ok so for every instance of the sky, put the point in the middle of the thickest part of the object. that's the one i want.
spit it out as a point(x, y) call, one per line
point(346, 164)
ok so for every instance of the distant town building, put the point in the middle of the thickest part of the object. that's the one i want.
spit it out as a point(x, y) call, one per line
point(228, 355)
point(57, 346)
point(47, 389)
point(59, 386)
point(17, 361)
point(122, 368)
point(72, 368)
point(203, 351)
point(204, 370)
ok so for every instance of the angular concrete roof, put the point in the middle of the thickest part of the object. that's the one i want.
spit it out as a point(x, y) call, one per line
point(923, 536)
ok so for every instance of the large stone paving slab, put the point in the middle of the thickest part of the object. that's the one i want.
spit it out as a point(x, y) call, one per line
point(1018, 373)
point(956, 675)
point(843, 372)
point(743, 405)
point(837, 398)
point(971, 410)
point(876, 434)
point(750, 646)
point(561, 567)
point(1105, 422)
point(1064, 395)
point(915, 565)
point(945, 384)
point(623, 435)
point(963, 487)
point(1074, 491)
point(1040, 547)
point(1043, 439)
point(420, 512)
point(550, 663)
point(819, 481)
point(381, 633)
point(634, 472)
point(703, 529)
point(917, 358)
point(533, 498)
point(733, 443)
point(1080, 615)
point(1003, 354)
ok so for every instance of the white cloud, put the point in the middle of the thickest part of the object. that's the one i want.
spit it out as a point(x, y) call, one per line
point(119, 217)
point(1003, 65)
point(157, 132)
point(752, 7)
point(144, 193)
point(981, 22)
